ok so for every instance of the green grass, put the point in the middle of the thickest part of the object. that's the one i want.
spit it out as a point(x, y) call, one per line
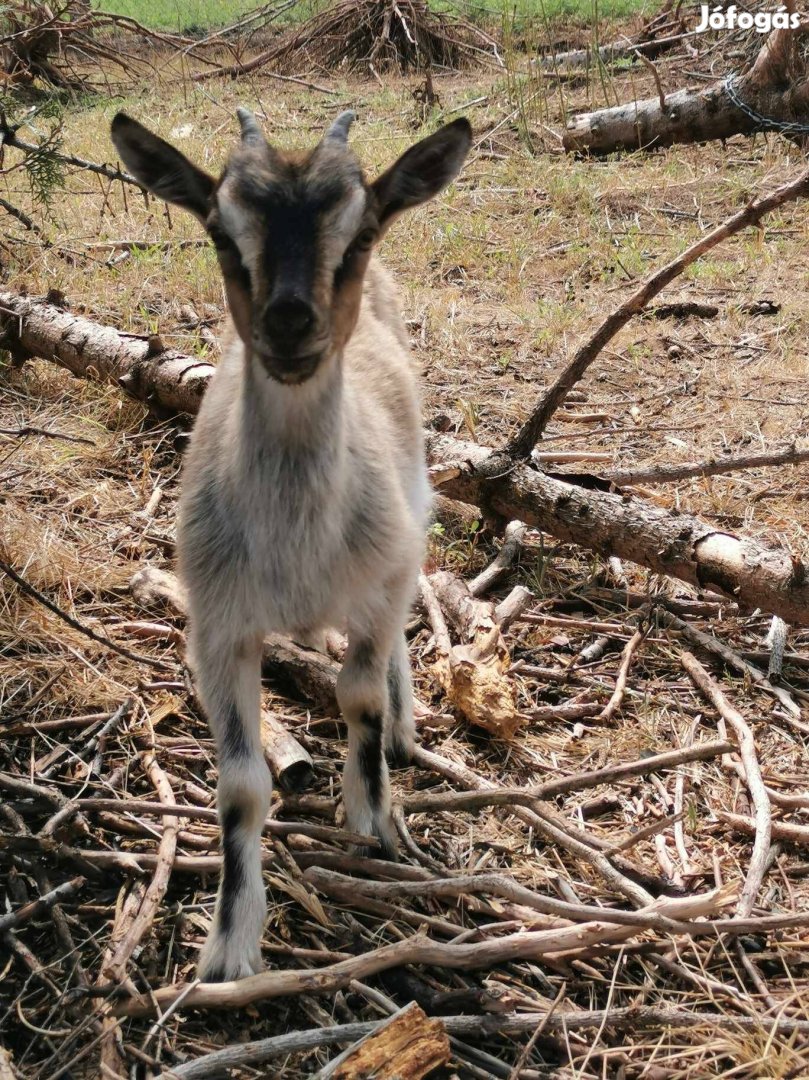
point(196, 16)
point(179, 15)
point(527, 11)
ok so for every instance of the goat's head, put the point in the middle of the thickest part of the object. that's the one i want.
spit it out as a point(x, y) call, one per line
point(293, 233)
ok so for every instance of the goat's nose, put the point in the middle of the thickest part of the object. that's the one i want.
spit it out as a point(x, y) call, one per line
point(288, 320)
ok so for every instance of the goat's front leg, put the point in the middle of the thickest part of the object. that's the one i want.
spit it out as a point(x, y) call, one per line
point(362, 694)
point(228, 679)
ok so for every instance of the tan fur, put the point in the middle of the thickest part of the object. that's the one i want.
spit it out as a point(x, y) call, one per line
point(305, 493)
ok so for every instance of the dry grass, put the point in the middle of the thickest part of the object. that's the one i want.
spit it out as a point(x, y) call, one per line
point(500, 278)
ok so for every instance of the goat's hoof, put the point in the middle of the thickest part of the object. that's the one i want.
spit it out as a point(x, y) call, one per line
point(221, 962)
point(387, 850)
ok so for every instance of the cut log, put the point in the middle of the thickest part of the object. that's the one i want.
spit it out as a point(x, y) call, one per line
point(408, 1046)
point(670, 543)
point(663, 30)
point(141, 366)
point(578, 59)
point(474, 673)
point(775, 88)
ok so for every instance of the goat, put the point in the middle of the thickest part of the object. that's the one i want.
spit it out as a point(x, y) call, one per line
point(305, 495)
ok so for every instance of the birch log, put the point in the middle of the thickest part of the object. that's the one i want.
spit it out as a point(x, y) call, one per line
point(775, 87)
point(667, 542)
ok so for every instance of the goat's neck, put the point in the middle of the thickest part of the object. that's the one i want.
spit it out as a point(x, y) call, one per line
point(304, 420)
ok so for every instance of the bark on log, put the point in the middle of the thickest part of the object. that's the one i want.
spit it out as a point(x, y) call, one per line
point(408, 1046)
point(614, 524)
point(576, 59)
point(474, 673)
point(670, 543)
point(774, 87)
point(142, 367)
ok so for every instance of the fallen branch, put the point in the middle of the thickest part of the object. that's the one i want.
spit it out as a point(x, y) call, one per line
point(521, 445)
point(473, 673)
point(37, 907)
point(733, 660)
point(548, 826)
point(667, 474)
point(617, 697)
point(771, 95)
point(416, 950)
point(244, 1055)
point(261, 61)
point(326, 833)
point(672, 544)
point(100, 639)
point(758, 793)
point(776, 642)
point(407, 1046)
point(113, 970)
point(574, 59)
point(665, 541)
point(426, 801)
point(142, 367)
point(9, 137)
point(502, 563)
point(345, 887)
point(788, 831)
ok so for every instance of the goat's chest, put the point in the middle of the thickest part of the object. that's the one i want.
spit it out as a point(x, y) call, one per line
point(306, 541)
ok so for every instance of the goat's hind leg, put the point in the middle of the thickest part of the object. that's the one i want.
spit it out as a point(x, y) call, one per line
point(401, 728)
point(229, 682)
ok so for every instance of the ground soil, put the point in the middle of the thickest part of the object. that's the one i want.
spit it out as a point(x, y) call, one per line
point(501, 278)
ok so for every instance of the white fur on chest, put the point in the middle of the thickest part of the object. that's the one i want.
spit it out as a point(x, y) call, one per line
point(296, 507)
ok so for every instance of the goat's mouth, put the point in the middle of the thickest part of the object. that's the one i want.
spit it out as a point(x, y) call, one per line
point(291, 370)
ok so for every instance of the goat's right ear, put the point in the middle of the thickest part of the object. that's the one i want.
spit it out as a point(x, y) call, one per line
point(160, 168)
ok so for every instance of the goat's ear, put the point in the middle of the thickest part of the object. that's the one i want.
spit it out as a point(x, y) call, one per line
point(160, 168)
point(422, 171)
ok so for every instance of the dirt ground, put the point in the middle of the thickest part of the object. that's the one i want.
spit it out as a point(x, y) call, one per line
point(501, 277)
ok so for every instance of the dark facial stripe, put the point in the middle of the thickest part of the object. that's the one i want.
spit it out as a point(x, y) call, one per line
point(370, 756)
point(317, 191)
point(290, 249)
point(232, 866)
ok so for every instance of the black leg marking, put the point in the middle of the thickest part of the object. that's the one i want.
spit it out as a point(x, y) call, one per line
point(364, 654)
point(232, 867)
point(370, 756)
point(234, 739)
point(397, 754)
point(394, 690)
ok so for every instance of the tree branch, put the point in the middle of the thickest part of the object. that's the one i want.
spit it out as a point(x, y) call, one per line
point(521, 445)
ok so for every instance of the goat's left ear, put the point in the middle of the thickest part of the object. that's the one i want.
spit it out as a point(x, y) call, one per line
point(161, 168)
point(422, 171)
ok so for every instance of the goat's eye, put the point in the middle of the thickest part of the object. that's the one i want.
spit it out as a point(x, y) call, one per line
point(365, 240)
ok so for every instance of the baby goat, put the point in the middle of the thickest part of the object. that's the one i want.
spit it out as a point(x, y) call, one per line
point(305, 492)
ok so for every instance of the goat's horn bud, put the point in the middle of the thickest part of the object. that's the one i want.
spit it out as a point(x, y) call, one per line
point(339, 129)
point(251, 132)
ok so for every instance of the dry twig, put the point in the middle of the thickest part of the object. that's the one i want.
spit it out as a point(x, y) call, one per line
point(758, 792)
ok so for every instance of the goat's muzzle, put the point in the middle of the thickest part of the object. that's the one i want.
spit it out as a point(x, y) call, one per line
point(290, 370)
